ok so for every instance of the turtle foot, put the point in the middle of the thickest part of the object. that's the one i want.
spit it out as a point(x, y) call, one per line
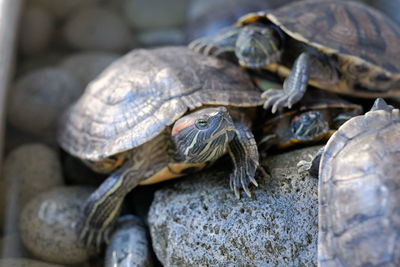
point(204, 46)
point(94, 237)
point(242, 178)
point(277, 98)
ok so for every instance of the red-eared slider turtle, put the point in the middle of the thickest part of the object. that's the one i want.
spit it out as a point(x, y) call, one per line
point(359, 200)
point(314, 118)
point(122, 124)
point(341, 46)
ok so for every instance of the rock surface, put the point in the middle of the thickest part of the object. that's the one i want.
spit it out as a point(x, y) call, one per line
point(38, 99)
point(198, 221)
point(128, 246)
point(27, 171)
point(48, 225)
point(24, 262)
point(97, 29)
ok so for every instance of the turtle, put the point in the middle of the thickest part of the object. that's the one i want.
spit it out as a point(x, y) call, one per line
point(156, 114)
point(340, 46)
point(313, 119)
point(359, 182)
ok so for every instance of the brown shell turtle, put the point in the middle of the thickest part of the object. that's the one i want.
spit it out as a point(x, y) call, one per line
point(341, 46)
point(359, 200)
point(314, 118)
point(145, 119)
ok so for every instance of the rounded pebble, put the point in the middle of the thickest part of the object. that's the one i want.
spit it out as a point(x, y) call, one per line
point(48, 225)
point(128, 246)
point(97, 29)
point(151, 14)
point(27, 171)
point(86, 66)
point(39, 97)
point(160, 37)
point(22, 262)
point(37, 26)
point(62, 8)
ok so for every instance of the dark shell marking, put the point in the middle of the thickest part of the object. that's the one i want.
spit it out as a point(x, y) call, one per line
point(144, 92)
point(359, 39)
point(359, 193)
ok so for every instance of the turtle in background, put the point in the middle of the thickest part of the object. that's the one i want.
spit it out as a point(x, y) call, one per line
point(359, 180)
point(158, 114)
point(341, 46)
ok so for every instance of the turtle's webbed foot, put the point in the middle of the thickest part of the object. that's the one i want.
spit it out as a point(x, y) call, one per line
point(204, 46)
point(277, 98)
point(241, 178)
point(94, 237)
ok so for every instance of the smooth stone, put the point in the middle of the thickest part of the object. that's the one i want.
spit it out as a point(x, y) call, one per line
point(46, 59)
point(153, 14)
point(128, 245)
point(27, 171)
point(24, 262)
point(38, 98)
point(61, 8)
point(48, 225)
point(36, 29)
point(197, 221)
point(160, 37)
point(86, 66)
point(97, 29)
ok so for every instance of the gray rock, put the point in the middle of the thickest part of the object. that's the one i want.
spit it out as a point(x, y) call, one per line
point(48, 226)
point(97, 29)
point(128, 246)
point(24, 262)
point(38, 99)
point(61, 8)
point(11, 246)
point(389, 7)
point(152, 14)
point(27, 171)
point(199, 222)
point(86, 66)
point(36, 29)
point(160, 37)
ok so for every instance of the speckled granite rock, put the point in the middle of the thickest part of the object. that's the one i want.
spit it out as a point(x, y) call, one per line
point(128, 246)
point(198, 221)
point(48, 226)
point(27, 171)
point(24, 262)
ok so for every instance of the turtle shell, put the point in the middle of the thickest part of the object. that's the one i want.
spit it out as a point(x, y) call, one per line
point(145, 91)
point(359, 181)
point(328, 104)
point(362, 42)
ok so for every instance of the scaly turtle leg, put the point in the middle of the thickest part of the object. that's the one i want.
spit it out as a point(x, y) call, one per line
point(294, 86)
point(244, 153)
point(223, 42)
point(103, 206)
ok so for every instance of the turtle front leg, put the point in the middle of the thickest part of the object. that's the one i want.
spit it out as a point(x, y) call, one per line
point(294, 86)
point(101, 209)
point(217, 45)
point(244, 153)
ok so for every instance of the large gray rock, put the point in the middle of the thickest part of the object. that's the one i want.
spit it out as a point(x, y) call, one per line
point(198, 221)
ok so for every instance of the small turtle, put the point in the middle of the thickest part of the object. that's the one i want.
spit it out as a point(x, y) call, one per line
point(359, 182)
point(314, 118)
point(341, 46)
point(122, 125)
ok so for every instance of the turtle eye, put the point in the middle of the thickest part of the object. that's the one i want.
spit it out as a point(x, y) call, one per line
point(201, 123)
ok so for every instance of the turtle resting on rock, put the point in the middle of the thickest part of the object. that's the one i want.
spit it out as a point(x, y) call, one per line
point(359, 183)
point(341, 46)
point(158, 114)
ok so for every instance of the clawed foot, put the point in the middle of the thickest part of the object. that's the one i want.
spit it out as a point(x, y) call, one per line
point(304, 166)
point(277, 98)
point(204, 46)
point(241, 178)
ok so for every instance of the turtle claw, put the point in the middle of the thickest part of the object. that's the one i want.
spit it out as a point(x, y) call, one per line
point(277, 98)
point(94, 237)
point(242, 179)
point(204, 46)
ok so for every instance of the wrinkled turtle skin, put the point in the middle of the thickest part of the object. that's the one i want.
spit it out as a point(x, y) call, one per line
point(313, 119)
point(341, 46)
point(155, 115)
point(359, 199)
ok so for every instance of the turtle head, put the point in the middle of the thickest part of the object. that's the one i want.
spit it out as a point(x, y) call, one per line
point(203, 135)
point(309, 126)
point(258, 45)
